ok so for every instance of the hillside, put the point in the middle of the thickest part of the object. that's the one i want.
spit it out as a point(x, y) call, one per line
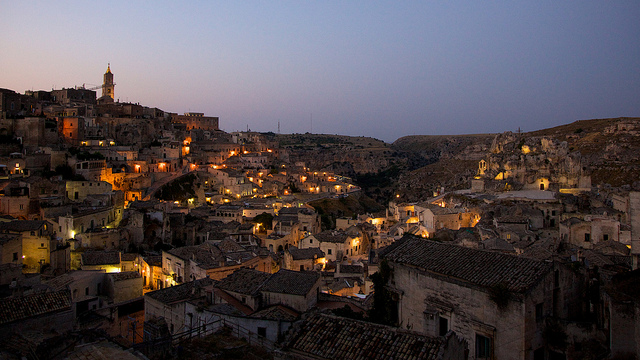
point(416, 166)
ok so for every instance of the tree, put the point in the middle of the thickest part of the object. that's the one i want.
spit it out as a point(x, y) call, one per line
point(265, 220)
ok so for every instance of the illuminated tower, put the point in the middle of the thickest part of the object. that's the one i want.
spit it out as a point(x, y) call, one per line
point(108, 85)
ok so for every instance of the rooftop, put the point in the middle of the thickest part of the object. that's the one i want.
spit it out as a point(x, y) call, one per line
point(181, 292)
point(243, 281)
point(19, 308)
point(101, 258)
point(277, 312)
point(291, 282)
point(331, 337)
point(22, 225)
point(331, 236)
point(303, 254)
point(479, 267)
point(127, 275)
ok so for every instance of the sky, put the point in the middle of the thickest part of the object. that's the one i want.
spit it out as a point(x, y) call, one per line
point(384, 69)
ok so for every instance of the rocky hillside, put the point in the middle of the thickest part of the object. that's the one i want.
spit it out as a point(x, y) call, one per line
point(415, 167)
point(609, 147)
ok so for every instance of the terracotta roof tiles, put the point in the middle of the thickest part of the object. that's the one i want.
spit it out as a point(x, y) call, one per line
point(331, 337)
point(181, 292)
point(19, 308)
point(479, 267)
point(101, 258)
point(243, 281)
point(291, 282)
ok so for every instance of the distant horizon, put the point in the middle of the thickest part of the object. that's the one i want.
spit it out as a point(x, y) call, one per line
point(375, 68)
point(336, 134)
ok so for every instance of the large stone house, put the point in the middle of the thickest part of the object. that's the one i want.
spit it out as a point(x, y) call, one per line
point(497, 302)
point(335, 244)
point(36, 243)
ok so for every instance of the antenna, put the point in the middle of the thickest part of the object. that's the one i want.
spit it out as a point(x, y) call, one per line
point(312, 123)
point(278, 126)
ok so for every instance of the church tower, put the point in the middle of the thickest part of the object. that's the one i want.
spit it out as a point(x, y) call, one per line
point(108, 85)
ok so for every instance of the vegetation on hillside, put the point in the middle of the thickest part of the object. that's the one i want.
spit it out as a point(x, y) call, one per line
point(180, 189)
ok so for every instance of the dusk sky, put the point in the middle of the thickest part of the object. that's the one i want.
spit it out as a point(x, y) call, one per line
point(381, 69)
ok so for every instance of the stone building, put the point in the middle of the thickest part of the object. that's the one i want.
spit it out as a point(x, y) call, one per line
point(196, 121)
point(497, 302)
point(336, 245)
point(622, 311)
point(303, 259)
point(590, 231)
point(36, 242)
point(48, 313)
point(169, 303)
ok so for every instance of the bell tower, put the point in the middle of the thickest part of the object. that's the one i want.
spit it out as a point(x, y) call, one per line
point(108, 85)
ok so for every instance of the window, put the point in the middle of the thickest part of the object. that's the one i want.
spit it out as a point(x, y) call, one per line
point(587, 237)
point(605, 237)
point(444, 326)
point(553, 213)
point(483, 347)
point(539, 312)
point(15, 256)
point(538, 354)
point(262, 331)
point(86, 291)
point(329, 251)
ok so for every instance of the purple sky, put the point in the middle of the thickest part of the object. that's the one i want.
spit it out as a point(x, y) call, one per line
point(380, 69)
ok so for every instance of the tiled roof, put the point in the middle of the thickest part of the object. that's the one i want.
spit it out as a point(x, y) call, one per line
point(60, 282)
point(129, 256)
point(18, 308)
point(126, 275)
point(512, 219)
point(206, 255)
point(101, 258)
point(479, 267)
point(181, 292)
point(243, 281)
point(232, 301)
point(239, 257)
point(291, 282)
point(612, 246)
point(303, 254)
point(331, 236)
point(277, 312)
point(22, 225)
point(331, 337)
point(228, 245)
point(154, 260)
point(351, 269)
